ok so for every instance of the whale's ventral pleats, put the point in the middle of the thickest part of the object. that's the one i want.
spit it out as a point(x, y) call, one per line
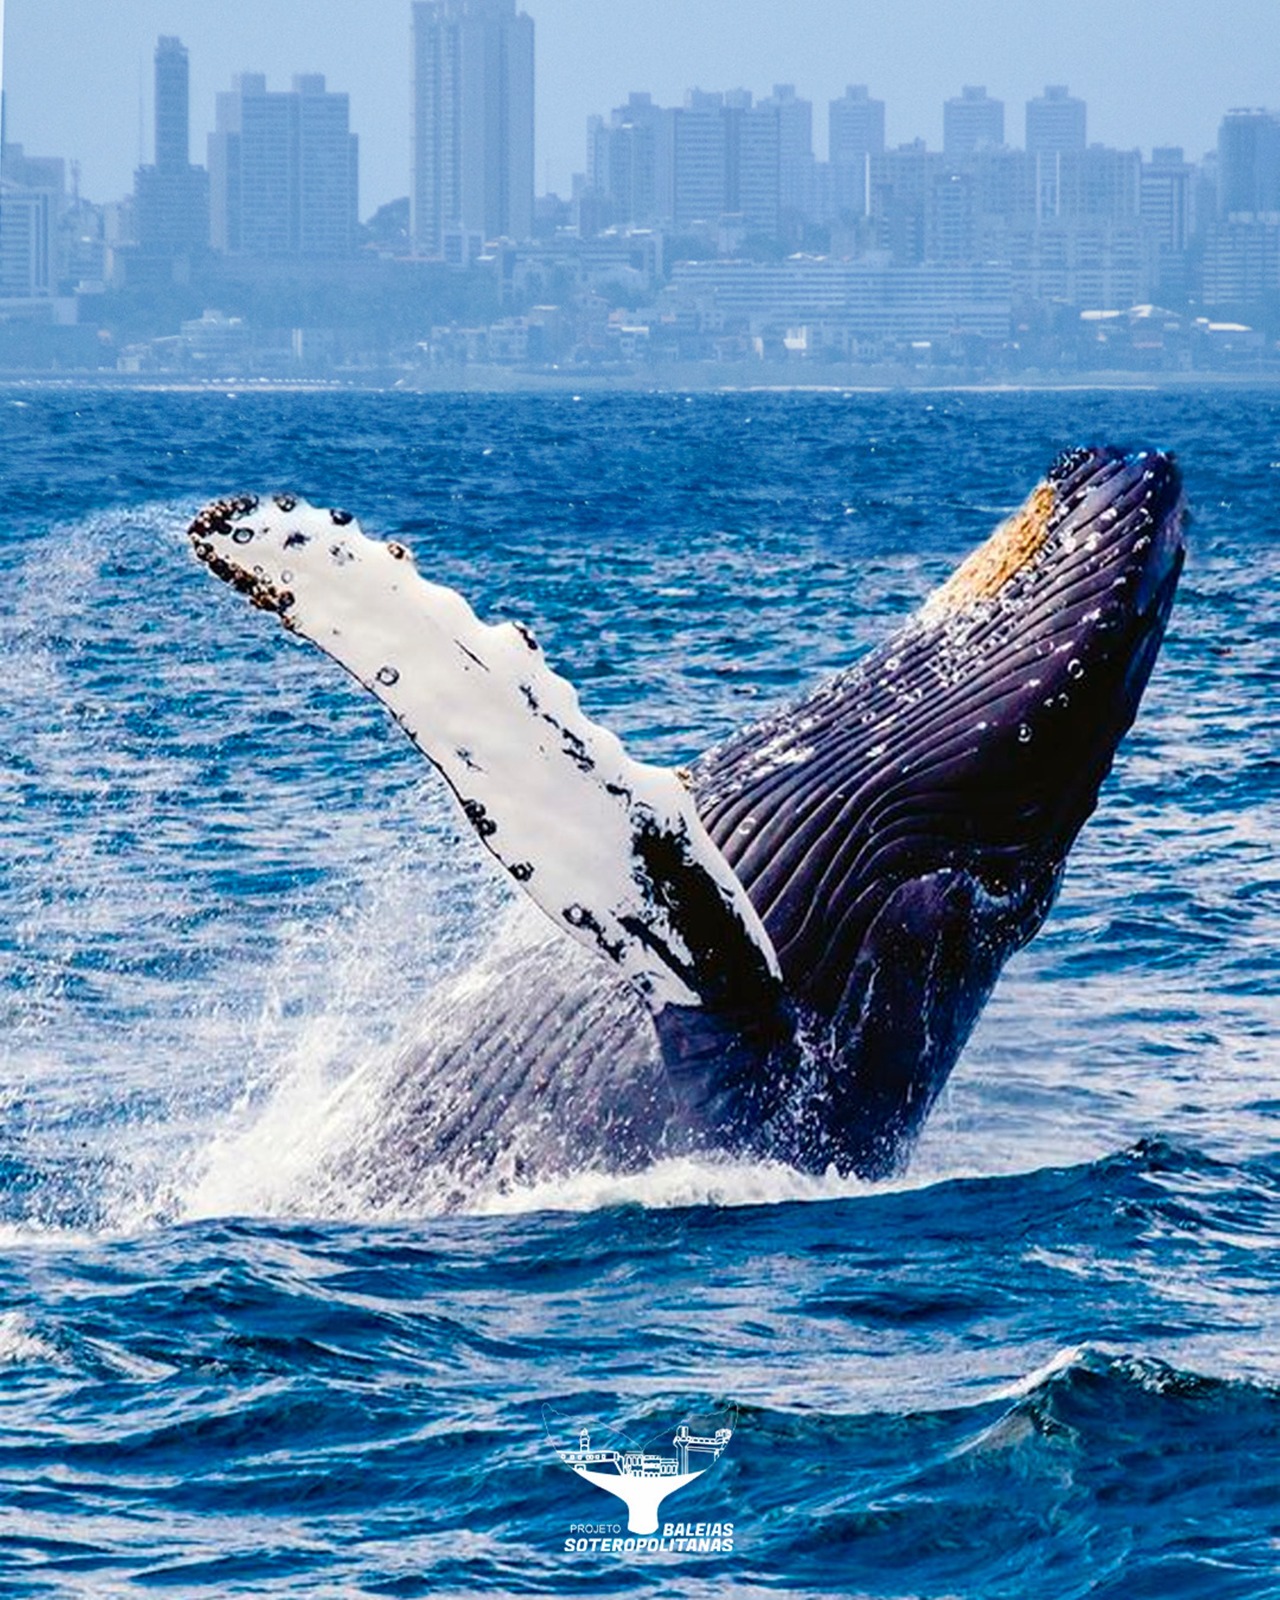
point(793, 939)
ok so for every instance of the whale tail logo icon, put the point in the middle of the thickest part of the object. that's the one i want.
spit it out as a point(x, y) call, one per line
point(642, 1475)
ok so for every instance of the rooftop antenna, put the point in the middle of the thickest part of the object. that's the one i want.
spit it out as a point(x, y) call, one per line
point(142, 117)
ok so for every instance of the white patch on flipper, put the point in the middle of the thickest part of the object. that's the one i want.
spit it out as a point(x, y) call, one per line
point(552, 795)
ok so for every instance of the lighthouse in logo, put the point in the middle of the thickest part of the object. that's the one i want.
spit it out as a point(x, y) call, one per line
point(641, 1475)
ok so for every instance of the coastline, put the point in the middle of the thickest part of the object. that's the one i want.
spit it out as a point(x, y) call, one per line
point(692, 377)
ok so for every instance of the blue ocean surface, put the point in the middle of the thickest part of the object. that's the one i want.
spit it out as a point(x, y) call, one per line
point(1044, 1361)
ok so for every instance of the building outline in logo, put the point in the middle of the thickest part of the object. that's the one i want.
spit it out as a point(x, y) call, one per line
point(641, 1475)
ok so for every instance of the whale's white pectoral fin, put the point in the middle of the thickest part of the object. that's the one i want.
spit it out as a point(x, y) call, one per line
point(611, 848)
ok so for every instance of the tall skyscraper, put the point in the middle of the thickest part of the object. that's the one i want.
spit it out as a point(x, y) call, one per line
point(1168, 198)
point(32, 203)
point(172, 196)
point(173, 110)
point(1249, 165)
point(1055, 129)
point(718, 155)
point(902, 181)
point(972, 122)
point(856, 126)
point(1055, 123)
point(856, 138)
point(795, 149)
point(28, 224)
point(283, 170)
point(753, 162)
point(472, 121)
point(1168, 212)
point(699, 158)
point(628, 159)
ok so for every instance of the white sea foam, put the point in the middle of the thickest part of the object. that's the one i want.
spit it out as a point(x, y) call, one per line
point(1020, 1388)
point(21, 1344)
point(670, 1184)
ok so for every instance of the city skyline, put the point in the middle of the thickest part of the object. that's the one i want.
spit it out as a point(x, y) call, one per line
point(102, 67)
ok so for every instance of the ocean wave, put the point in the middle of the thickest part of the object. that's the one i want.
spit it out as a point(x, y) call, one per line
point(1044, 1361)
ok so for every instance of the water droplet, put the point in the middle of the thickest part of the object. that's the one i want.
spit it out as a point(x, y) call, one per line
point(1024, 733)
point(1075, 669)
point(388, 676)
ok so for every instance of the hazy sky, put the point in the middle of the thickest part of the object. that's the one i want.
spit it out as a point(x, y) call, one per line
point(78, 72)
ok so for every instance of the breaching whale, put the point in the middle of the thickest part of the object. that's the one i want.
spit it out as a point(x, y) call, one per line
point(781, 952)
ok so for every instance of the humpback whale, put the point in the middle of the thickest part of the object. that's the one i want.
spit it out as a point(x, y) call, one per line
point(780, 952)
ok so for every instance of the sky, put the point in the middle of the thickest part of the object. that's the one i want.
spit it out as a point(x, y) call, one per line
point(78, 73)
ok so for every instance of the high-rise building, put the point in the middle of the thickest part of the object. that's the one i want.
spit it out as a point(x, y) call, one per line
point(754, 164)
point(856, 126)
point(902, 182)
point(173, 108)
point(1006, 183)
point(972, 122)
point(1055, 132)
point(718, 155)
point(472, 121)
point(1241, 266)
point(172, 195)
point(1097, 182)
point(951, 219)
point(795, 149)
point(283, 170)
point(625, 161)
point(32, 201)
point(1168, 198)
point(28, 223)
point(699, 158)
point(1102, 182)
point(1092, 263)
point(855, 135)
point(1249, 165)
point(1167, 207)
point(1055, 123)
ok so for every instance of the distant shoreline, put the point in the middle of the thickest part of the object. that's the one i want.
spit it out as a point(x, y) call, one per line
point(699, 378)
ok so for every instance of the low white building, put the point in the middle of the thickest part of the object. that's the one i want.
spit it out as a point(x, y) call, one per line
point(868, 298)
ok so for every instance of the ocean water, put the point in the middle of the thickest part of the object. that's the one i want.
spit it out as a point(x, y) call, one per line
point(1045, 1361)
